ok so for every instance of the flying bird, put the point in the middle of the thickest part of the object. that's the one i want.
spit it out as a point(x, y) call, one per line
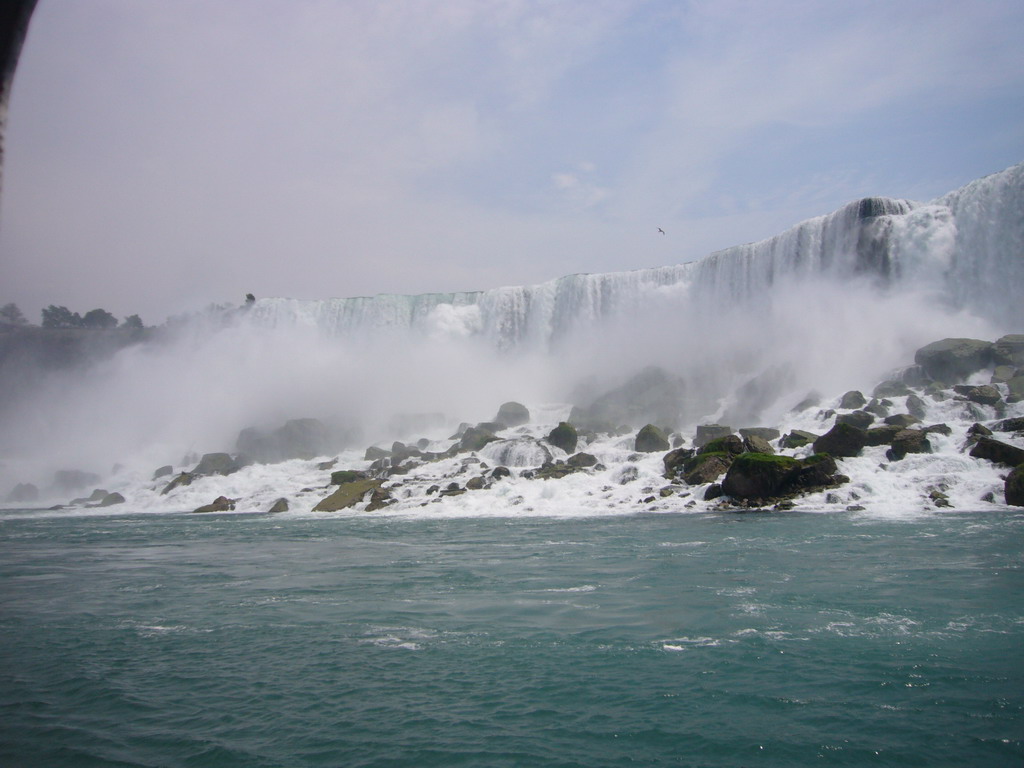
point(661, 230)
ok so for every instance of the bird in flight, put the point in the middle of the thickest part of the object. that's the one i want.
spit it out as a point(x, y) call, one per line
point(661, 230)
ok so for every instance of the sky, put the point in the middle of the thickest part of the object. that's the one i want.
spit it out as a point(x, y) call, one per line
point(164, 155)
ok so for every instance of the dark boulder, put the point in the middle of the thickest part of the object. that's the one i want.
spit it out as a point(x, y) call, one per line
point(902, 420)
point(708, 432)
point(798, 438)
point(706, 467)
point(1014, 487)
point(475, 438)
point(499, 472)
point(998, 452)
point(756, 444)
point(916, 406)
point(891, 388)
point(650, 439)
point(475, 483)
point(110, 499)
point(185, 478)
point(730, 444)
point(220, 504)
point(713, 491)
point(1009, 350)
point(347, 495)
point(817, 471)
point(861, 419)
point(281, 505)
point(373, 453)
point(882, 435)
point(675, 460)
point(938, 429)
point(953, 360)
point(908, 441)
point(842, 441)
point(852, 400)
point(342, 476)
point(512, 414)
point(1009, 425)
point(564, 436)
point(581, 460)
point(216, 464)
point(986, 394)
point(163, 471)
point(765, 433)
point(759, 476)
point(879, 408)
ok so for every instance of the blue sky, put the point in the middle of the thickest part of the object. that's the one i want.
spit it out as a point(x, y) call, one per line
point(164, 155)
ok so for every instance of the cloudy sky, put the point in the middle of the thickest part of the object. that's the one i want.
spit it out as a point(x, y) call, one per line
point(165, 154)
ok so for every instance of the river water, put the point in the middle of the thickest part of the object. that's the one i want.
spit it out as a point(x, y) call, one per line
point(724, 639)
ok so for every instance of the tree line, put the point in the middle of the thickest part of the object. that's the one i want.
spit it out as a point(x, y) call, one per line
point(62, 317)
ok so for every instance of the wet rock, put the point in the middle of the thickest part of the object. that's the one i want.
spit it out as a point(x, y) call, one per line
point(908, 441)
point(1008, 425)
point(916, 406)
point(163, 471)
point(953, 360)
point(475, 483)
point(512, 414)
point(475, 438)
point(938, 429)
point(520, 452)
point(342, 476)
point(185, 478)
point(373, 453)
point(842, 441)
point(110, 500)
point(581, 460)
point(902, 420)
point(891, 388)
point(861, 419)
point(759, 475)
point(853, 400)
point(714, 491)
point(765, 433)
point(650, 439)
point(1009, 350)
point(998, 452)
point(92, 498)
point(706, 468)
point(730, 444)
point(798, 438)
point(564, 436)
point(986, 394)
point(878, 408)
point(499, 472)
point(881, 435)
point(347, 495)
point(756, 444)
point(379, 498)
point(281, 505)
point(708, 432)
point(1014, 487)
point(216, 464)
point(812, 400)
point(23, 493)
point(220, 504)
point(675, 459)
point(323, 466)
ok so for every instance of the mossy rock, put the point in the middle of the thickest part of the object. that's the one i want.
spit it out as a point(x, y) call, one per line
point(706, 467)
point(759, 475)
point(798, 438)
point(512, 414)
point(843, 440)
point(347, 495)
point(564, 436)
point(475, 438)
point(342, 476)
point(730, 444)
point(650, 439)
point(1014, 487)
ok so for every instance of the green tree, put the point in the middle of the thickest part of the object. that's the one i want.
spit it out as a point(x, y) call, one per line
point(61, 317)
point(11, 315)
point(132, 321)
point(99, 318)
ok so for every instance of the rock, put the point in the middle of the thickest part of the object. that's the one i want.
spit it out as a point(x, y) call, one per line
point(878, 408)
point(1007, 425)
point(708, 432)
point(882, 435)
point(1014, 487)
point(111, 499)
point(842, 441)
point(379, 498)
point(23, 493)
point(706, 468)
point(342, 476)
point(220, 504)
point(938, 429)
point(1002, 374)
point(512, 414)
point(759, 475)
point(475, 438)
point(765, 433)
point(95, 496)
point(914, 376)
point(891, 388)
point(756, 444)
point(730, 444)
point(281, 505)
point(908, 441)
point(853, 400)
point(1009, 350)
point(675, 460)
point(581, 460)
point(650, 439)
point(627, 474)
point(798, 438)
point(861, 419)
point(475, 483)
point(998, 452)
point(986, 394)
point(185, 478)
point(902, 420)
point(163, 471)
point(1016, 387)
point(953, 360)
point(216, 464)
point(492, 426)
point(563, 436)
point(499, 472)
point(982, 430)
point(816, 471)
point(812, 400)
point(373, 453)
point(347, 495)
point(916, 406)
point(70, 480)
point(714, 491)
point(323, 466)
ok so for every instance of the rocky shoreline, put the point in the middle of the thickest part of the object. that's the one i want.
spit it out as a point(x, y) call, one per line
point(980, 384)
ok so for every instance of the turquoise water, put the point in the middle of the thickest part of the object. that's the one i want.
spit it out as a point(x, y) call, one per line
point(700, 640)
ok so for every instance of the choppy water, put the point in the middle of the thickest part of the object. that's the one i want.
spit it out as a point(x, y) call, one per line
point(699, 640)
